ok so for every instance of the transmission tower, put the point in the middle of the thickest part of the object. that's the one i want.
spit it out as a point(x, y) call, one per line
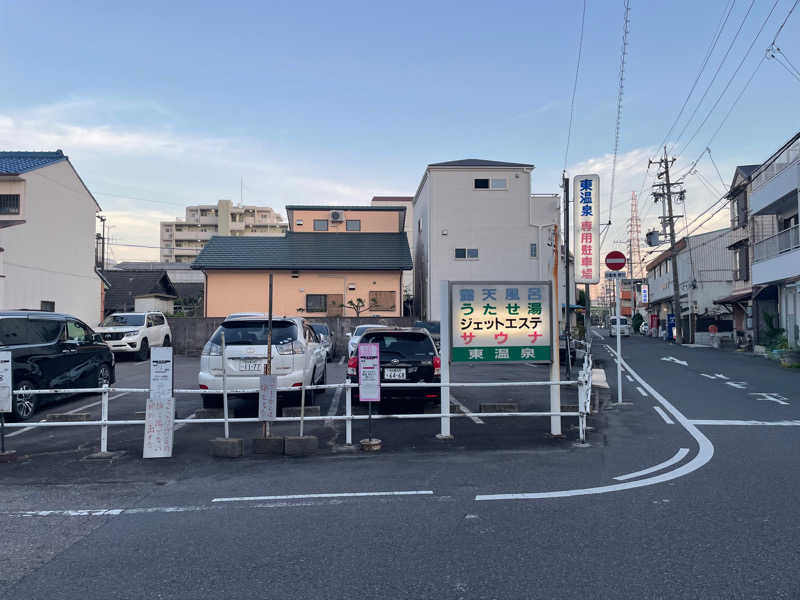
point(634, 240)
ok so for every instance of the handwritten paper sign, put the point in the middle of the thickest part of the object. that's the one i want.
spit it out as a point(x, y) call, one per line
point(369, 373)
point(159, 426)
point(268, 398)
point(5, 381)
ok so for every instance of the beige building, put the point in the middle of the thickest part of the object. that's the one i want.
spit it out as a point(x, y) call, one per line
point(346, 219)
point(183, 239)
point(406, 202)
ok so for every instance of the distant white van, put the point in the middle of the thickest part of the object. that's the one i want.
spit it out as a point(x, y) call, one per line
point(624, 327)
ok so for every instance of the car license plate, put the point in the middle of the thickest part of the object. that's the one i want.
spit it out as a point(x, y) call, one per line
point(394, 373)
point(251, 364)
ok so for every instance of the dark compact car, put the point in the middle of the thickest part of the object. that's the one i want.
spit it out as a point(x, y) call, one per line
point(407, 355)
point(52, 350)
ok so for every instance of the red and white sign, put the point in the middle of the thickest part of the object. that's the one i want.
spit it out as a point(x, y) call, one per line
point(615, 260)
point(586, 197)
point(369, 373)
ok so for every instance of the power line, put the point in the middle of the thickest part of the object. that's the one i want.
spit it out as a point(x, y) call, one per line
point(575, 85)
point(716, 168)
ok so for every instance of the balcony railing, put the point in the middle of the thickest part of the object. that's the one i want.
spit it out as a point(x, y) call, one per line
point(784, 241)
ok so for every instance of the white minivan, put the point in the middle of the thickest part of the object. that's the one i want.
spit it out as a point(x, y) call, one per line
point(624, 327)
point(298, 357)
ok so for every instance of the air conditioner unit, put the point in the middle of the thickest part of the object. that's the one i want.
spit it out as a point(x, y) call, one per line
point(337, 216)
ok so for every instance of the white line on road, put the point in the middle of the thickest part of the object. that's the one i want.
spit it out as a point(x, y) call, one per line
point(707, 375)
point(466, 411)
point(663, 415)
point(181, 425)
point(641, 391)
point(679, 455)
point(334, 405)
point(795, 423)
point(630, 379)
point(341, 360)
point(69, 412)
point(340, 495)
point(738, 385)
point(704, 454)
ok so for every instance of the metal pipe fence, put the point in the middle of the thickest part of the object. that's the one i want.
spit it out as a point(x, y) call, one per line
point(583, 383)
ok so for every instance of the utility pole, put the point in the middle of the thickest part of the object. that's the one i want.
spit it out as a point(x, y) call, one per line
point(568, 360)
point(665, 163)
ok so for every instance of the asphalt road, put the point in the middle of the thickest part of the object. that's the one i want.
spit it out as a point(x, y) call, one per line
point(501, 511)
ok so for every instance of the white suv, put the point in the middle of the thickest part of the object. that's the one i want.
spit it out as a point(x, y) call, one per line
point(298, 357)
point(135, 332)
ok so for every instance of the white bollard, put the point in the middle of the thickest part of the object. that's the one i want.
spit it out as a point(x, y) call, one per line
point(348, 411)
point(104, 420)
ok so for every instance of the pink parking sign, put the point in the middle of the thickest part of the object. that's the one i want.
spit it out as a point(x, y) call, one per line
point(369, 373)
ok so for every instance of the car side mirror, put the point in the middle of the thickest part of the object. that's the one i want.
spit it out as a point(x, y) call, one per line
point(97, 338)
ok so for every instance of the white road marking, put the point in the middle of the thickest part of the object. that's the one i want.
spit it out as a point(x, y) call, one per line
point(663, 415)
point(597, 334)
point(641, 391)
point(704, 454)
point(738, 385)
point(341, 360)
point(675, 360)
point(181, 425)
point(667, 463)
point(334, 408)
point(630, 379)
point(795, 423)
point(772, 397)
point(720, 376)
point(466, 411)
point(69, 412)
point(339, 495)
point(707, 375)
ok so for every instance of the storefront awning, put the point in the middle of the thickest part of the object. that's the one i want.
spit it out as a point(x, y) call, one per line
point(736, 298)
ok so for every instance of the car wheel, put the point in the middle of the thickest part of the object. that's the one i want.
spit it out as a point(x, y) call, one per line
point(103, 375)
point(23, 406)
point(212, 400)
point(310, 394)
point(167, 342)
point(144, 350)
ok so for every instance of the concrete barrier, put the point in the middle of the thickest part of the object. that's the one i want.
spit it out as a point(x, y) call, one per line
point(272, 445)
point(227, 447)
point(68, 417)
point(305, 445)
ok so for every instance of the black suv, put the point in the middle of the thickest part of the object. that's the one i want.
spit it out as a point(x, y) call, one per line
point(49, 351)
point(407, 355)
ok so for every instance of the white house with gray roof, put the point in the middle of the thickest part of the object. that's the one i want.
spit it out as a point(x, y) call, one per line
point(47, 236)
point(476, 220)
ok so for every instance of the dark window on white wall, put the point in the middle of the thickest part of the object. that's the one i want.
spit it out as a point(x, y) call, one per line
point(9, 204)
point(534, 252)
point(47, 306)
point(465, 253)
point(353, 225)
point(316, 303)
point(320, 224)
point(481, 184)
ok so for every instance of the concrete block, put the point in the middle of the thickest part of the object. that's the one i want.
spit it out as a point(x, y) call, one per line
point(104, 456)
point(227, 447)
point(213, 413)
point(272, 445)
point(296, 445)
point(370, 445)
point(294, 411)
point(69, 417)
point(8, 456)
point(496, 407)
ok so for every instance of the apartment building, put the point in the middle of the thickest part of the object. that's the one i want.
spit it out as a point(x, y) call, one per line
point(183, 239)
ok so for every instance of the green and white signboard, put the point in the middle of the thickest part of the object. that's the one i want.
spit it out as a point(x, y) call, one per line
point(501, 322)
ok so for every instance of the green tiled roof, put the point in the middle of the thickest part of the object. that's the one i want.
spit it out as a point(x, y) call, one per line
point(308, 251)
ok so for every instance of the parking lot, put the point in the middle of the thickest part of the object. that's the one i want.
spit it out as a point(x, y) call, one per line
point(469, 431)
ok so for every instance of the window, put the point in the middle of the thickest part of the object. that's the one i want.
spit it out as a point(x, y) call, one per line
point(466, 254)
point(9, 204)
point(254, 333)
point(320, 224)
point(534, 251)
point(419, 225)
point(382, 300)
point(353, 225)
point(47, 305)
point(316, 302)
point(741, 264)
point(499, 183)
point(299, 222)
point(15, 331)
point(78, 332)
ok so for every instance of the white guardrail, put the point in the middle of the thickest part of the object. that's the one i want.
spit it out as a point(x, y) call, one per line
point(583, 382)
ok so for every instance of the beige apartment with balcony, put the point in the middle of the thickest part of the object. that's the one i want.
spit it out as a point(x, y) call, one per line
point(183, 239)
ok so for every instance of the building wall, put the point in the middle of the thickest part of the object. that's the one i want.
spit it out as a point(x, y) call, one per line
point(148, 303)
point(372, 221)
point(246, 291)
point(410, 229)
point(500, 224)
point(51, 256)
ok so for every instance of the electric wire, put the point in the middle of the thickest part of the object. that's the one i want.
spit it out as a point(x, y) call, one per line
point(575, 85)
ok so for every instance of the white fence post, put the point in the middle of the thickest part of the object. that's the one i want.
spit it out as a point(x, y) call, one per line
point(104, 420)
point(348, 411)
point(444, 358)
point(224, 387)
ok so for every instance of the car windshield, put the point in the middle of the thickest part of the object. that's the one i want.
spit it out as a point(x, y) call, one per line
point(14, 332)
point(123, 321)
point(402, 344)
point(362, 328)
point(320, 329)
point(254, 333)
point(622, 321)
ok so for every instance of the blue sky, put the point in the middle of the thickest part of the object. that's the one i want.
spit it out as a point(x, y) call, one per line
point(164, 104)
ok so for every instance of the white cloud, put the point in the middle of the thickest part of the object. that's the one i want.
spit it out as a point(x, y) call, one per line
point(157, 166)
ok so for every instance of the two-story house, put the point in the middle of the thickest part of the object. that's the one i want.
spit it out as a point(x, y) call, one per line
point(476, 220)
point(776, 250)
point(47, 236)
